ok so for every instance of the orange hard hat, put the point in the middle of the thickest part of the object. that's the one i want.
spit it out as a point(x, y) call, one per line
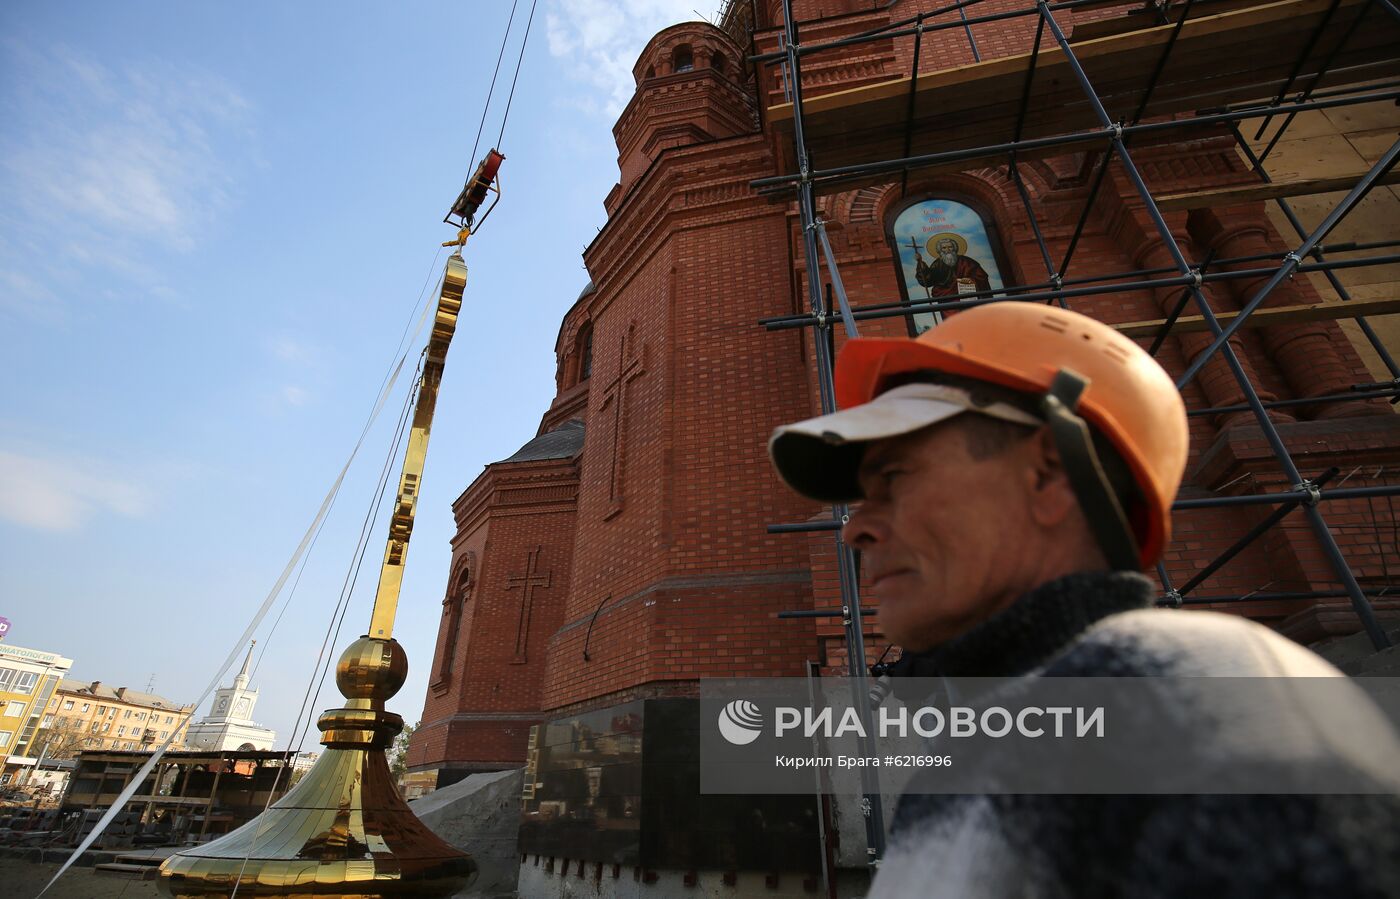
point(1126, 395)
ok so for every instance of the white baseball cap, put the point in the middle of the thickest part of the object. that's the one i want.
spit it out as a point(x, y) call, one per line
point(820, 457)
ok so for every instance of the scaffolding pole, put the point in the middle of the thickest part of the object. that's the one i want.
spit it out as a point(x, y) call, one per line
point(1342, 293)
point(1112, 140)
point(981, 298)
point(1014, 292)
point(812, 234)
point(1101, 137)
point(1253, 534)
point(1292, 261)
point(1360, 604)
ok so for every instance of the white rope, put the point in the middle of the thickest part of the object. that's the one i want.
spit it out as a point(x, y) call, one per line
point(291, 594)
point(308, 702)
point(242, 641)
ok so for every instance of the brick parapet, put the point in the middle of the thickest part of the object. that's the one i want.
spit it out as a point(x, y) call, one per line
point(716, 174)
point(823, 73)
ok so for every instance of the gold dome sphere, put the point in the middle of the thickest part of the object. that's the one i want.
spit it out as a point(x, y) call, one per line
point(371, 668)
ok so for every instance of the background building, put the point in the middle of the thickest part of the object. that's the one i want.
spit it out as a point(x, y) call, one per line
point(625, 552)
point(93, 716)
point(28, 678)
point(230, 724)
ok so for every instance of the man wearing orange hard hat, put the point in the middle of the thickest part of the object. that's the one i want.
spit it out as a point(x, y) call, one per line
point(1015, 468)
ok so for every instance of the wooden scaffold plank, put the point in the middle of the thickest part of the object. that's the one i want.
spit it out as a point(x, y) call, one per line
point(1236, 56)
point(1263, 318)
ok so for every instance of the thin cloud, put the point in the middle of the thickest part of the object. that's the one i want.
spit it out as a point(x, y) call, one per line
point(298, 360)
point(126, 162)
point(288, 349)
point(59, 495)
point(20, 293)
point(601, 40)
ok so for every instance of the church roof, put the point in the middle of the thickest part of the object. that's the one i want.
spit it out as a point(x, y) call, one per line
point(588, 289)
point(564, 442)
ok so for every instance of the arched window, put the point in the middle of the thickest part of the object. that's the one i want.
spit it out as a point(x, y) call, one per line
point(651, 72)
point(682, 60)
point(718, 63)
point(585, 351)
point(455, 609)
point(944, 249)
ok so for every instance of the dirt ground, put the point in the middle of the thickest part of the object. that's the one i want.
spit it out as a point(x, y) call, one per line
point(24, 880)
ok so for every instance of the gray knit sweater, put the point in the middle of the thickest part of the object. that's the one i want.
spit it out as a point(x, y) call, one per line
point(1197, 846)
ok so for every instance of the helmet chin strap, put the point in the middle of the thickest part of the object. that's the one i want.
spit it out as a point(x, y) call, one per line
point(1105, 515)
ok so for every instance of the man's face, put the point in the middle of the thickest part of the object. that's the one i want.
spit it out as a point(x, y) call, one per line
point(947, 251)
point(939, 532)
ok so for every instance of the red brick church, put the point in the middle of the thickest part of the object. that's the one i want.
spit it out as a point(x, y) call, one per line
point(622, 554)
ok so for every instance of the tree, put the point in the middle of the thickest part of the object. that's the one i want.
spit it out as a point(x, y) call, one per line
point(398, 753)
point(64, 738)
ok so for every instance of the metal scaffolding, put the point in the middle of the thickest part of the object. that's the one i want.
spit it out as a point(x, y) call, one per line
point(1334, 43)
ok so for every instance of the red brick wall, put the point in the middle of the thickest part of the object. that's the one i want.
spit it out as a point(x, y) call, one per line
point(685, 575)
point(664, 573)
point(478, 710)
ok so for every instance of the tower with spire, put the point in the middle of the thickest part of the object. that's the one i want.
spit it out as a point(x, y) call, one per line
point(229, 724)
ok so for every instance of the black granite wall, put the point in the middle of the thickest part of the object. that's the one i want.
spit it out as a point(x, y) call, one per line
point(622, 785)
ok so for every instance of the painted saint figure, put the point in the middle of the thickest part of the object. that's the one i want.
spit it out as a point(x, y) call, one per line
point(951, 272)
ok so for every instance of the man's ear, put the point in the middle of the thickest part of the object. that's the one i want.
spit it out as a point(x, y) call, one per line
point(1051, 496)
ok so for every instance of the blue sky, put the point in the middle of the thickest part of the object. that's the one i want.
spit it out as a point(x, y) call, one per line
point(217, 222)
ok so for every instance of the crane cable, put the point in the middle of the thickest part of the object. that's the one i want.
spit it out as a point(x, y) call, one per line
point(338, 614)
point(313, 531)
point(516, 76)
point(482, 181)
point(492, 89)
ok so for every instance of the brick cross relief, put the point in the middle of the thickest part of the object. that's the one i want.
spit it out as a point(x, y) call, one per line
point(527, 583)
point(631, 365)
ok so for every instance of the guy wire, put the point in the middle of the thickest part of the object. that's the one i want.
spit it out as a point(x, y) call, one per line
point(296, 582)
point(337, 617)
point(373, 514)
point(124, 796)
point(407, 325)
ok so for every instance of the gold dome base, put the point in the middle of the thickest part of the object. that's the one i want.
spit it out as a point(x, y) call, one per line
point(344, 830)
